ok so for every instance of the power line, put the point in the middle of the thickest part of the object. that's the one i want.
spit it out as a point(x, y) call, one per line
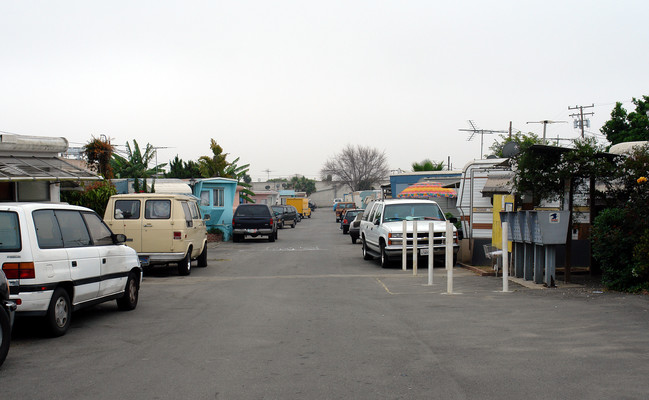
point(545, 124)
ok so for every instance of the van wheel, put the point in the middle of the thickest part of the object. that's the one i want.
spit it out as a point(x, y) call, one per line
point(202, 259)
point(5, 335)
point(131, 294)
point(59, 313)
point(185, 265)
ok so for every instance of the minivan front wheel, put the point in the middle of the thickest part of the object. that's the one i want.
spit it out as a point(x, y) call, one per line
point(59, 313)
point(131, 294)
point(185, 265)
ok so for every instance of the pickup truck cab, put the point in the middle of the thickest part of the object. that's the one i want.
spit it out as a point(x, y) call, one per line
point(381, 229)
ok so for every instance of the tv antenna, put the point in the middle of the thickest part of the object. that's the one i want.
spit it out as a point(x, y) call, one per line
point(268, 171)
point(545, 124)
point(474, 130)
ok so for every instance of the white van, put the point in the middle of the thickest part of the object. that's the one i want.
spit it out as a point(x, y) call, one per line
point(59, 258)
point(162, 228)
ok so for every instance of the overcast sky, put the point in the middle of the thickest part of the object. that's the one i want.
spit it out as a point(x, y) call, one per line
point(285, 85)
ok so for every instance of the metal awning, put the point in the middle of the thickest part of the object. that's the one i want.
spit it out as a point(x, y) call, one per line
point(33, 168)
point(498, 183)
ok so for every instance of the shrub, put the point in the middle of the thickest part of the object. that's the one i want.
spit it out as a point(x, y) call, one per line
point(94, 196)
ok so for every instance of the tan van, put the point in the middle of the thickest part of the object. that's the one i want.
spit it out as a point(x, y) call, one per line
point(162, 228)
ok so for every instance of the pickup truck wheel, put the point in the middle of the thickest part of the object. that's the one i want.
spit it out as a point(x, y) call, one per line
point(131, 294)
point(236, 237)
point(59, 313)
point(366, 255)
point(5, 335)
point(185, 265)
point(272, 237)
point(385, 261)
point(202, 259)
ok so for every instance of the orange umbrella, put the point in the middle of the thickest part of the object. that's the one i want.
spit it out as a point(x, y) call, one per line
point(426, 190)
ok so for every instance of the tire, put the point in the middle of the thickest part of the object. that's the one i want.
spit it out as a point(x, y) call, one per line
point(294, 223)
point(202, 259)
point(272, 236)
point(354, 238)
point(128, 302)
point(345, 230)
point(185, 265)
point(385, 261)
point(5, 335)
point(236, 237)
point(366, 255)
point(59, 313)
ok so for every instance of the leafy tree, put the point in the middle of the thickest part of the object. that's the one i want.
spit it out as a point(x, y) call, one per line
point(523, 140)
point(98, 153)
point(628, 127)
point(620, 238)
point(428, 165)
point(94, 196)
point(215, 165)
point(183, 170)
point(357, 167)
point(136, 164)
point(302, 184)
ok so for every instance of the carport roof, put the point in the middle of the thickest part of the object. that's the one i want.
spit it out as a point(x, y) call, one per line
point(34, 168)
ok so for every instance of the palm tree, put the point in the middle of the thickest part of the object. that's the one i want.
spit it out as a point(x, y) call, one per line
point(213, 166)
point(428, 165)
point(135, 164)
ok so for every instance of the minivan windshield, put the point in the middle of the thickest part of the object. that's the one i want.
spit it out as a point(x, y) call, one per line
point(412, 211)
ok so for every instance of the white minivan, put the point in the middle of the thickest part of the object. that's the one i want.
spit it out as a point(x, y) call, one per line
point(59, 258)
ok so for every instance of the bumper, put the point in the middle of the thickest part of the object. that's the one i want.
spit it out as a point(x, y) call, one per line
point(32, 303)
point(10, 307)
point(396, 251)
point(253, 232)
point(159, 258)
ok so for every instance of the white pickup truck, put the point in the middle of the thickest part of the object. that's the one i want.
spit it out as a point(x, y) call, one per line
point(381, 229)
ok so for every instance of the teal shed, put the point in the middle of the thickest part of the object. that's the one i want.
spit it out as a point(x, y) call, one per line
point(217, 200)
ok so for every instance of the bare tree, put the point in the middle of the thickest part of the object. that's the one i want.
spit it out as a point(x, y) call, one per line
point(357, 167)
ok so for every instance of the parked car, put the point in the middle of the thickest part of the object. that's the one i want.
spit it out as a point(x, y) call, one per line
point(7, 311)
point(285, 215)
point(254, 220)
point(382, 233)
point(59, 258)
point(298, 217)
point(347, 218)
point(355, 227)
point(343, 206)
point(162, 228)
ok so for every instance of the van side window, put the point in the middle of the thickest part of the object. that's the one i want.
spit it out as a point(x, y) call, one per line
point(99, 232)
point(370, 215)
point(377, 215)
point(9, 231)
point(75, 233)
point(188, 214)
point(157, 209)
point(194, 209)
point(127, 209)
point(48, 232)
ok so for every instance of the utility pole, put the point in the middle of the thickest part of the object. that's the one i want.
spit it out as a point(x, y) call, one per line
point(545, 124)
point(581, 116)
point(474, 129)
point(268, 172)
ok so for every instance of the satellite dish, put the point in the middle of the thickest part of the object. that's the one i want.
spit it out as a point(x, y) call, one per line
point(511, 149)
point(491, 157)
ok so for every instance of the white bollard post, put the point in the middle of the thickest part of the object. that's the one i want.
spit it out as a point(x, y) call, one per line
point(449, 257)
point(505, 231)
point(415, 243)
point(404, 248)
point(431, 252)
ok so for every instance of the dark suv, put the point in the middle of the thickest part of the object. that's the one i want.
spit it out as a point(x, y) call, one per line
point(7, 309)
point(286, 215)
point(254, 220)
